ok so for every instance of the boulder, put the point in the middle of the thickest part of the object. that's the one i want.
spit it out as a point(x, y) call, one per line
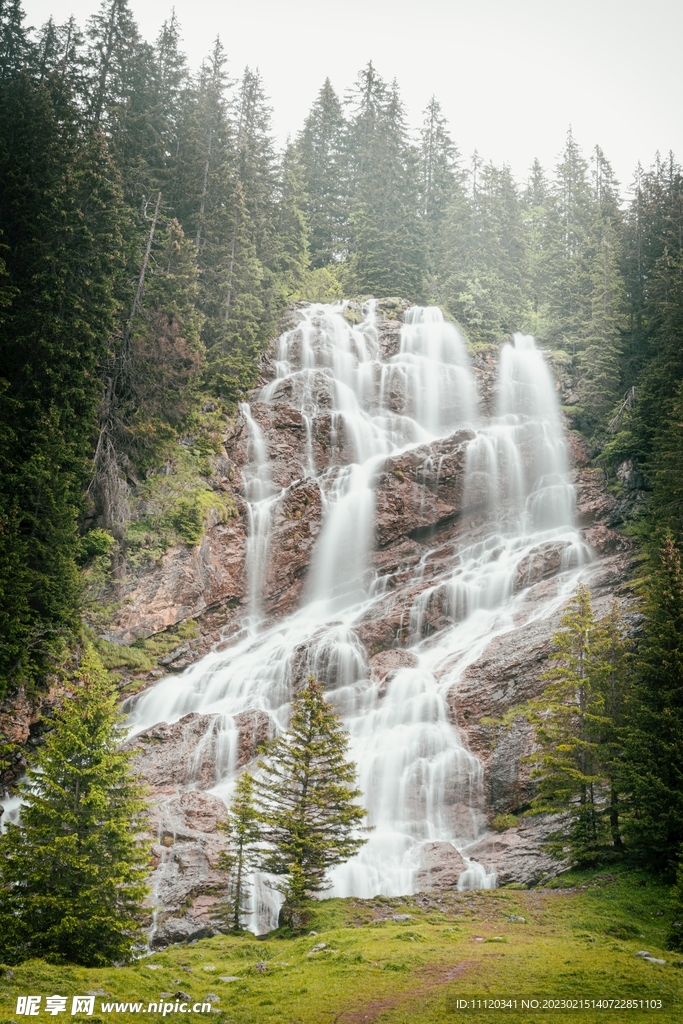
point(440, 867)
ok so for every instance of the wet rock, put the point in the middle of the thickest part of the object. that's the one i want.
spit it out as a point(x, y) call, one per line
point(421, 489)
point(296, 523)
point(169, 756)
point(384, 664)
point(255, 728)
point(541, 563)
point(187, 851)
point(517, 855)
point(440, 867)
point(196, 751)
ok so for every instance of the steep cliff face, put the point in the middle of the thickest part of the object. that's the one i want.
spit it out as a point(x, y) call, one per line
point(426, 508)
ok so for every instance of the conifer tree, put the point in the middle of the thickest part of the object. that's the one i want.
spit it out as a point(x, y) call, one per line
point(72, 871)
point(322, 154)
point(599, 360)
point(654, 737)
point(441, 186)
point(17, 51)
point(244, 831)
point(61, 215)
point(577, 721)
point(388, 243)
point(306, 799)
point(568, 249)
point(484, 258)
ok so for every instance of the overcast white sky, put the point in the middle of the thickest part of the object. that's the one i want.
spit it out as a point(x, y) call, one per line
point(511, 75)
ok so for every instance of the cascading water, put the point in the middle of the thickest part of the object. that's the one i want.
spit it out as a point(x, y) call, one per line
point(420, 783)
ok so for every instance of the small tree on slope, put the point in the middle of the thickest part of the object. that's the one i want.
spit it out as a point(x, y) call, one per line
point(243, 829)
point(577, 764)
point(306, 796)
point(72, 872)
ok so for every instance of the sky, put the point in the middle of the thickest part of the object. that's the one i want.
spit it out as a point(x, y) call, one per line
point(511, 75)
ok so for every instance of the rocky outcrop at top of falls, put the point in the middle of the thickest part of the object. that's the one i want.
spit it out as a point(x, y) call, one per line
point(411, 521)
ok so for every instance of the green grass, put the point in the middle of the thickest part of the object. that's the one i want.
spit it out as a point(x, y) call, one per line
point(577, 942)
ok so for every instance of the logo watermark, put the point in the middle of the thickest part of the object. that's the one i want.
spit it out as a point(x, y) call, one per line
point(31, 1006)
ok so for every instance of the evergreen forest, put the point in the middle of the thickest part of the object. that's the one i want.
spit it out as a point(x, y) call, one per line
point(153, 237)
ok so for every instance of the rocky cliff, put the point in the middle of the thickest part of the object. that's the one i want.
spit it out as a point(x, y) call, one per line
point(423, 512)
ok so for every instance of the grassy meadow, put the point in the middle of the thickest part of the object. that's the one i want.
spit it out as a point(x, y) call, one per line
point(412, 959)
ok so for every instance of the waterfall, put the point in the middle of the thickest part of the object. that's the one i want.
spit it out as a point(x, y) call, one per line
point(420, 782)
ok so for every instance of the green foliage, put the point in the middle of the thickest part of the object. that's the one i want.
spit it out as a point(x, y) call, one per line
point(72, 871)
point(323, 158)
point(387, 234)
point(675, 936)
point(144, 653)
point(242, 827)
point(654, 734)
point(60, 217)
point(306, 800)
point(577, 717)
point(501, 822)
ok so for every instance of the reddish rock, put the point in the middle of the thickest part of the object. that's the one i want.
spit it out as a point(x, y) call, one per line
point(186, 582)
point(255, 728)
point(188, 753)
point(440, 867)
point(540, 564)
point(296, 523)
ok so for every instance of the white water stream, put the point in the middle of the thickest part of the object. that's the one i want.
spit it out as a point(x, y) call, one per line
point(420, 782)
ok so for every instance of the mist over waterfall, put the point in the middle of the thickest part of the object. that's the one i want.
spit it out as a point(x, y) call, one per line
point(423, 787)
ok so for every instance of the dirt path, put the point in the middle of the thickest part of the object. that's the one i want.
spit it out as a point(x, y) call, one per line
point(429, 978)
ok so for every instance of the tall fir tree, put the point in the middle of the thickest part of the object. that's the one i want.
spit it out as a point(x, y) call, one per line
point(577, 719)
point(322, 154)
point(72, 871)
point(388, 243)
point(306, 799)
point(599, 363)
point(441, 184)
point(654, 737)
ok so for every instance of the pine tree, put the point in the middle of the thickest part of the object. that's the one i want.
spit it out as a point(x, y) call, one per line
point(654, 737)
point(388, 244)
point(244, 832)
point(599, 361)
point(484, 261)
point(577, 719)
point(441, 185)
point(72, 872)
point(567, 245)
point(306, 799)
point(166, 350)
point(17, 51)
point(322, 155)
point(112, 58)
point(61, 213)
